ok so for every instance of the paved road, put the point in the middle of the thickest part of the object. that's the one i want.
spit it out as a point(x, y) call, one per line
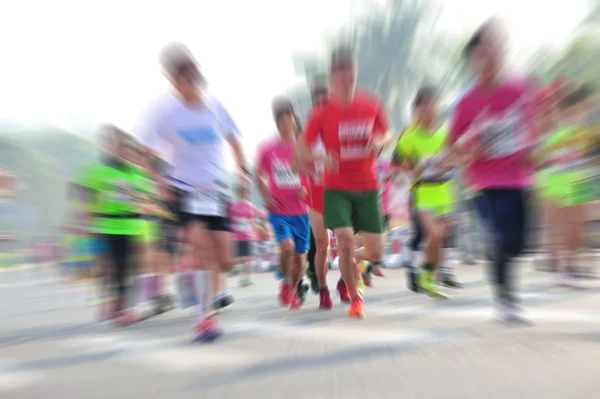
point(410, 346)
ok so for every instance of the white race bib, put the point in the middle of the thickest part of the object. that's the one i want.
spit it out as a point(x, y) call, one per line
point(284, 177)
point(504, 135)
point(205, 201)
point(243, 226)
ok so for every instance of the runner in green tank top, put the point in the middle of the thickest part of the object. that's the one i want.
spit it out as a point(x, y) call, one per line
point(117, 196)
point(565, 165)
point(422, 150)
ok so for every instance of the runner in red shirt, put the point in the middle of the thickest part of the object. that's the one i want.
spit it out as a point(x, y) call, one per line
point(352, 128)
point(319, 239)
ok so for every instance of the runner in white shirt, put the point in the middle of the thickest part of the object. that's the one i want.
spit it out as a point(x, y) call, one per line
point(198, 130)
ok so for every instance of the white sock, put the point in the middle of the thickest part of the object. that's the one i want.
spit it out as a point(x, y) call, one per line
point(202, 282)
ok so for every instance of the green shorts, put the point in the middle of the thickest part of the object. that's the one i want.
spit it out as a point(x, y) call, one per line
point(359, 209)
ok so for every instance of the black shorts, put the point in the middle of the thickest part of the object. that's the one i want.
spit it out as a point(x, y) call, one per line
point(243, 248)
point(213, 223)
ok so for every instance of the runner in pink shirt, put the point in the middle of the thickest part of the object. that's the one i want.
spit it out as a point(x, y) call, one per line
point(493, 130)
point(283, 195)
point(244, 216)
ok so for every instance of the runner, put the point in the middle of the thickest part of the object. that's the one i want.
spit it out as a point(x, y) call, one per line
point(319, 244)
point(352, 128)
point(565, 155)
point(116, 216)
point(283, 196)
point(197, 127)
point(422, 149)
point(244, 216)
point(314, 189)
point(492, 130)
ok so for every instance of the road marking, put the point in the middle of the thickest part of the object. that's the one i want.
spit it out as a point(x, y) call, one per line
point(14, 380)
point(168, 354)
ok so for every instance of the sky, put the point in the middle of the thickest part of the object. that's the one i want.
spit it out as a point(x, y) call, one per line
point(74, 62)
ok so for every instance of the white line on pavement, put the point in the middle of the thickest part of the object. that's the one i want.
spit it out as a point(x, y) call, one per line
point(14, 380)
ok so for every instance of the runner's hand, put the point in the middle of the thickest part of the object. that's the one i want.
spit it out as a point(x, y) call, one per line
point(271, 204)
point(375, 145)
point(330, 163)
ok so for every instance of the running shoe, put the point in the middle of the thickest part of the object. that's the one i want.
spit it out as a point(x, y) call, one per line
point(427, 285)
point(284, 294)
point(314, 282)
point(165, 303)
point(207, 330)
point(376, 269)
point(222, 301)
point(412, 278)
point(511, 315)
point(450, 282)
point(343, 291)
point(245, 282)
point(366, 278)
point(295, 302)
point(302, 290)
point(357, 309)
point(325, 302)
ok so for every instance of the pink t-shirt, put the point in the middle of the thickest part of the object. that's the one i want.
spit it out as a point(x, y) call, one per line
point(275, 161)
point(243, 216)
point(383, 170)
point(503, 122)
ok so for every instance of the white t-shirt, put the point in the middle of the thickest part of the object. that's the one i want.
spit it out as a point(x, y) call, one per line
point(196, 139)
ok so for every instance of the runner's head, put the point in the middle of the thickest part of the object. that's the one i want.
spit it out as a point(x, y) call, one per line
point(285, 117)
point(319, 92)
point(425, 106)
point(182, 70)
point(572, 106)
point(342, 74)
point(484, 52)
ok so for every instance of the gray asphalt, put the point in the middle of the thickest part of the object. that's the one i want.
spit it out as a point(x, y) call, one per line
point(409, 347)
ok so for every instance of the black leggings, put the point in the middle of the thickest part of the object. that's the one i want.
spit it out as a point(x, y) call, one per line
point(310, 256)
point(505, 214)
point(119, 258)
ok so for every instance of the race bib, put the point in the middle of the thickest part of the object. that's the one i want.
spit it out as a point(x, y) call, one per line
point(243, 226)
point(206, 201)
point(503, 135)
point(284, 177)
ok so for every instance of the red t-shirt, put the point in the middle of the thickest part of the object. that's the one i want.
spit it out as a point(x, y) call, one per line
point(345, 132)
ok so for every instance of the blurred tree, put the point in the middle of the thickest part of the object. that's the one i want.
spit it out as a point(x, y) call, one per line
point(398, 49)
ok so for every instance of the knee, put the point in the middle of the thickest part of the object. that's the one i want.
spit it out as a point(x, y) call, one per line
point(345, 242)
point(322, 246)
point(286, 247)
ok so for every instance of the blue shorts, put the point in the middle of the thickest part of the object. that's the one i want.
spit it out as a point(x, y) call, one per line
point(295, 227)
point(99, 246)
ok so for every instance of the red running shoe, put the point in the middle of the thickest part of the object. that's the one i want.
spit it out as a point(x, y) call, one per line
point(285, 292)
point(325, 302)
point(295, 302)
point(357, 309)
point(343, 292)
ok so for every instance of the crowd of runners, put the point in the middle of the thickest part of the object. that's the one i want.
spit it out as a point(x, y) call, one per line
point(161, 200)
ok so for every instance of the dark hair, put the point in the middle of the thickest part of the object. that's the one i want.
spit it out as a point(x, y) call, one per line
point(423, 94)
point(475, 40)
point(342, 54)
point(575, 97)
